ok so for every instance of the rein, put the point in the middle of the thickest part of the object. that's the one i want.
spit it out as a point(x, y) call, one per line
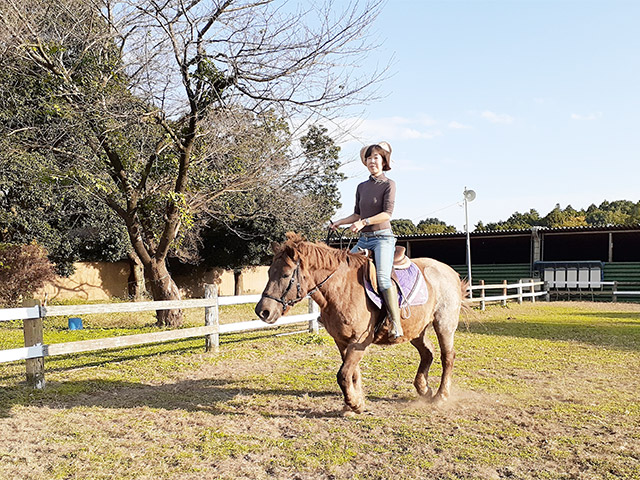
point(295, 278)
point(331, 235)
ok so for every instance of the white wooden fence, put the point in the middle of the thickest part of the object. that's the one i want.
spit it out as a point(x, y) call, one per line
point(35, 350)
point(509, 291)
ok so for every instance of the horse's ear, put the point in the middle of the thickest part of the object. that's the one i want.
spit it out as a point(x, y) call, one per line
point(294, 238)
point(291, 252)
point(292, 245)
point(276, 247)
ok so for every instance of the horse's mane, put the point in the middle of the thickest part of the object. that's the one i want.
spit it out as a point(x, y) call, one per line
point(318, 255)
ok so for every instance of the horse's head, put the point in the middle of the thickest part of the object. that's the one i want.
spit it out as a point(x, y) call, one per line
point(284, 288)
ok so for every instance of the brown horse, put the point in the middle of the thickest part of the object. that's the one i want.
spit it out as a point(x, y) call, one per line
point(335, 280)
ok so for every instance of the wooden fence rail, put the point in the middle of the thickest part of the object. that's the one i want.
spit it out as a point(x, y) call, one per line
point(35, 350)
point(523, 289)
point(616, 292)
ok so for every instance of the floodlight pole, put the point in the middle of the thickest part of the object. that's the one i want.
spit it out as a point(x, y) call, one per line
point(466, 227)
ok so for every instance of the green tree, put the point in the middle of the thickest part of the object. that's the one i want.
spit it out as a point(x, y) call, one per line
point(434, 225)
point(619, 212)
point(166, 112)
point(247, 240)
point(320, 185)
point(403, 226)
point(569, 217)
point(517, 221)
point(67, 222)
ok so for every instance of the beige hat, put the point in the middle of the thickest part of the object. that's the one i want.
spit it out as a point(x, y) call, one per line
point(384, 146)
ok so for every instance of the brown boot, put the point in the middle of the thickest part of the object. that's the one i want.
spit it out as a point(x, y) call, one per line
point(390, 297)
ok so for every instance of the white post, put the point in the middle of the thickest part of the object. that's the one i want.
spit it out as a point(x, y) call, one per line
point(212, 317)
point(520, 291)
point(313, 323)
point(533, 290)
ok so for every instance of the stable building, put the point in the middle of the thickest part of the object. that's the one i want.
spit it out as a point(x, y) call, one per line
point(573, 255)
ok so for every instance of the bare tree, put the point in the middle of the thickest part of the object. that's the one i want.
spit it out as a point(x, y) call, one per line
point(163, 109)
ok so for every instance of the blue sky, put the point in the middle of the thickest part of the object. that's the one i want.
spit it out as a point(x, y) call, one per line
point(528, 102)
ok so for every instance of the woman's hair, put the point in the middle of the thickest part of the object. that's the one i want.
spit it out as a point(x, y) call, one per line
point(382, 152)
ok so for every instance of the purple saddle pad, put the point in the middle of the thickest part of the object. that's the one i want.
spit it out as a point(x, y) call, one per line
point(412, 288)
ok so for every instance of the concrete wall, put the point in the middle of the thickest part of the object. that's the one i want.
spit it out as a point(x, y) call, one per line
point(252, 280)
point(95, 281)
point(91, 281)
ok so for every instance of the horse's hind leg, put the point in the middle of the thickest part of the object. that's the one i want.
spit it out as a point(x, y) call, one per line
point(349, 377)
point(445, 327)
point(425, 347)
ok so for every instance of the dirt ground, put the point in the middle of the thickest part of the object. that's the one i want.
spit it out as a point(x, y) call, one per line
point(546, 400)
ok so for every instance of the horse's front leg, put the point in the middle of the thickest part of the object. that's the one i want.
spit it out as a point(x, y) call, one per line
point(349, 377)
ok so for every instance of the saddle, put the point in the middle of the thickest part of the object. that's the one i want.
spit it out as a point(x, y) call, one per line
point(412, 287)
point(400, 262)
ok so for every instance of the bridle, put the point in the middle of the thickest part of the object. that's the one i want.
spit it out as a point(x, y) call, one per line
point(295, 279)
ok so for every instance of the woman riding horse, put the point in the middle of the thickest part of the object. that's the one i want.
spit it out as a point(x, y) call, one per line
point(335, 280)
point(375, 199)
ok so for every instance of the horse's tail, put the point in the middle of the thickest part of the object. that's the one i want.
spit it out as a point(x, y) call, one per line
point(464, 290)
point(465, 300)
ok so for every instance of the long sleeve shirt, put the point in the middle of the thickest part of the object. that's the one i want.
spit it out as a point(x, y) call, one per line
point(375, 196)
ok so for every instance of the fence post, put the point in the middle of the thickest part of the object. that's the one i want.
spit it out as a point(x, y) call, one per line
point(533, 290)
point(504, 293)
point(482, 295)
point(613, 293)
point(212, 317)
point(547, 297)
point(313, 323)
point(33, 335)
point(520, 292)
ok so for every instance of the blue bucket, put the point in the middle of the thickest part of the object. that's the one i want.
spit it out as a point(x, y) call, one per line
point(75, 323)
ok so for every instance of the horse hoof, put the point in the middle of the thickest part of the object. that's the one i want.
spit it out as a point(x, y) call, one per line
point(426, 393)
point(348, 411)
point(438, 400)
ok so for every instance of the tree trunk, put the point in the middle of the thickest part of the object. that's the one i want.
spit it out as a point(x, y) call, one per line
point(164, 288)
point(137, 286)
point(238, 283)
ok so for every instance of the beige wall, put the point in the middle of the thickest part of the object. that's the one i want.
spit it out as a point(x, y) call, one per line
point(95, 281)
point(254, 280)
point(90, 281)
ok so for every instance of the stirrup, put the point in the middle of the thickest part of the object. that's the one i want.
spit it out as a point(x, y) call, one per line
point(395, 331)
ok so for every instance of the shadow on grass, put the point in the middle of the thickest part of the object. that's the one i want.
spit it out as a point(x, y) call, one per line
point(136, 352)
point(215, 396)
point(106, 357)
point(615, 335)
point(628, 316)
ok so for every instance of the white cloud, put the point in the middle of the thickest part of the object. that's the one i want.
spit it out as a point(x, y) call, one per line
point(419, 127)
point(497, 117)
point(589, 116)
point(458, 125)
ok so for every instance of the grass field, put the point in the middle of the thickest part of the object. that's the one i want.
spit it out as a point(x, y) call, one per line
point(541, 391)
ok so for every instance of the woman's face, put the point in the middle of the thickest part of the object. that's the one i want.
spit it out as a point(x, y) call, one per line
point(374, 164)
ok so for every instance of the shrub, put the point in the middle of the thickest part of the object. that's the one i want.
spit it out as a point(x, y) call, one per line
point(23, 270)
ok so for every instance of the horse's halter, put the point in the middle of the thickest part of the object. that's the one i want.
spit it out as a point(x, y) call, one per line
point(295, 278)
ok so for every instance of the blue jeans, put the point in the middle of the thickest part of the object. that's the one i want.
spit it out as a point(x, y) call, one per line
point(383, 244)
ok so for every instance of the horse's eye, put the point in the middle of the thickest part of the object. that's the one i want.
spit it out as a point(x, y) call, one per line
point(285, 275)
